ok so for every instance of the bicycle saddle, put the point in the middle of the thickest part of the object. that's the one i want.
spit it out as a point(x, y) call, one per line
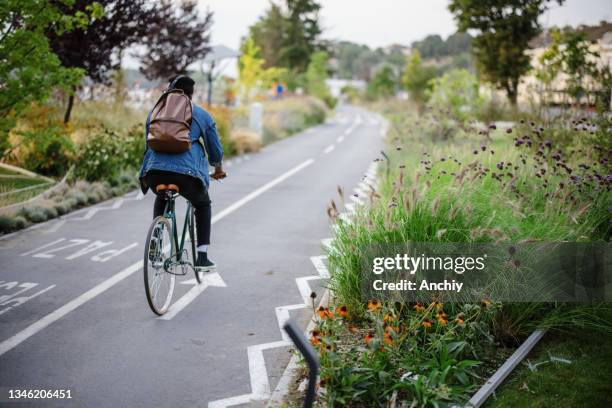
point(166, 187)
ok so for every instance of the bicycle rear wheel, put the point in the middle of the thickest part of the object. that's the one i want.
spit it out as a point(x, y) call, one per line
point(194, 246)
point(159, 249)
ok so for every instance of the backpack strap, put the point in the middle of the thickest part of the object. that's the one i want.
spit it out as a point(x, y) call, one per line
point(173, 83)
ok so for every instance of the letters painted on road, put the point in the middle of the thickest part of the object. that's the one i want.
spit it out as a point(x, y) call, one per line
point(48, 251)
point(10, 301)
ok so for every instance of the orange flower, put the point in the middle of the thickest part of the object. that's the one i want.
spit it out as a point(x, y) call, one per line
point(374, 304)
point(442, 321)
point(389, 318)
point(426, 323)
point(390, 328)
point(324, 312)
point(368, 338)
point(419, 307)
point(388, 339)
point(342, 311)
point(460, 320)
point(315, 341)
point(437, 304)
point(485, 303)
point(442, 315)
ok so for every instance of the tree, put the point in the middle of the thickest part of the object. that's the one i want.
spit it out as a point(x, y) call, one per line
point(316, 75)
point(416, 77)
point(30, 70)
point(302, 33)
point(504, 28)
point(383, 83)
point(431, 46)
point(267, 33)
point(254, 76)
point(457, 92)
point(97, 48)
point(176, 38)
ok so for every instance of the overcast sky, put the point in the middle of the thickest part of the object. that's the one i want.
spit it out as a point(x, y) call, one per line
point(379, 23)
point(383, 22)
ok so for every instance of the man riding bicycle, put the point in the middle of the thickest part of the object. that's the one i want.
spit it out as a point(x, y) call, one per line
point(188, 170)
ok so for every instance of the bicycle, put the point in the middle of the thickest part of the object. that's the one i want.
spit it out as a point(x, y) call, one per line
point(165, 257)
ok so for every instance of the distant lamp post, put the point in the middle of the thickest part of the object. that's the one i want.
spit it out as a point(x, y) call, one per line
point(213, 65)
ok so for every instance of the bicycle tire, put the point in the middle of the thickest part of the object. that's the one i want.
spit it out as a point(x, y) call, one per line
point(151, 272)
point(193, 238)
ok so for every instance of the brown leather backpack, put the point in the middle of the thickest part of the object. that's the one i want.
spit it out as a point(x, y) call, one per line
point(170, 121)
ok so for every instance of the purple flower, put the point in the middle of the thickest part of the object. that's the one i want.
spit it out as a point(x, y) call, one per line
point(483, 148)
point(519, 142)
point(500, 165)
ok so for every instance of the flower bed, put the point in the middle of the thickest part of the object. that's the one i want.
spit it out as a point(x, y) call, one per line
point(527, 183)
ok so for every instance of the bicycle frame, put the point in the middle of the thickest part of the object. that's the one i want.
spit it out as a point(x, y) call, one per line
point(170, 213)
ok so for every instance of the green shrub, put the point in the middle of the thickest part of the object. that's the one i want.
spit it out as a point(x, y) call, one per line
point(20, 222)
point(34, 214)
point(134, 146)
point(47, 150)
point(457, 94)
point(291, 115)
point(70, 202)
point(93, 197)
point(103, 155)
point(7, 223)
point(79, 197)
point(49, 211)
point(62, 208)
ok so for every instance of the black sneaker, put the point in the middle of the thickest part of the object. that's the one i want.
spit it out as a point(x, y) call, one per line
point(203, 264)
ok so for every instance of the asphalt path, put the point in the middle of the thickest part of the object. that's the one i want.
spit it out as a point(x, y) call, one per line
point(73, 313)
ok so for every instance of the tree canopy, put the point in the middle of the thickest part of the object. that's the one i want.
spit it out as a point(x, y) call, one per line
point(30, 70)
point(288, 34)
point(504, 29)
point(177, 37)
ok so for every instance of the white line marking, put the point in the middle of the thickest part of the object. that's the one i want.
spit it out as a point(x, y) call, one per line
point(329, 149)
point(327, 243)
point(193, 293)
point(21, 300)
point(319, 265)
point(340, 139)
point(282, 315)
point(261, 190)
point(211, 279)
point(304, 287)
point(258, 373)
point(43, 247)
point(52, 317)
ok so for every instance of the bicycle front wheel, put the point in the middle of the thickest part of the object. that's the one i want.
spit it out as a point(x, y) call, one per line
point(159, 282)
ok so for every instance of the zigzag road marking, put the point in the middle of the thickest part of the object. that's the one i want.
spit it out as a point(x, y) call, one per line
point(260, 384)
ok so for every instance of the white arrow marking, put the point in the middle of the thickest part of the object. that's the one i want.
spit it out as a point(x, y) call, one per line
point(210, 279)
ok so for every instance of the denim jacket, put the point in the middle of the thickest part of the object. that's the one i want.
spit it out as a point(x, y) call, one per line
point(193, 162)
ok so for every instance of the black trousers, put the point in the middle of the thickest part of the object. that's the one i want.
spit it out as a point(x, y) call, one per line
point(193, 190)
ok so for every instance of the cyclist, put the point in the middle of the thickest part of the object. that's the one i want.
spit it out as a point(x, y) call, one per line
point(188, 170)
